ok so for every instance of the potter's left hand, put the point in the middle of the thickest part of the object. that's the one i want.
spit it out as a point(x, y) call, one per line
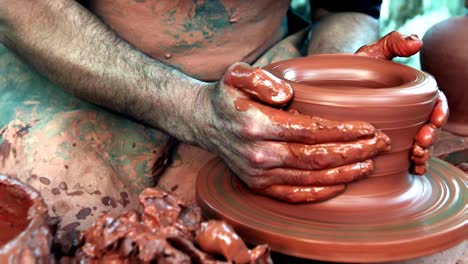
point(393, 45)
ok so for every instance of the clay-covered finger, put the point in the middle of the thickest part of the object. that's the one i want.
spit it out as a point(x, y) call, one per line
point(278, 125)
point(343, 174)
point(418, 151)
point(330, 155)
point(427, 135)
point(440, 113)
point(420, 169)
point(302, 194)
point(394, 44)
point(421, 160)
point(259, 84)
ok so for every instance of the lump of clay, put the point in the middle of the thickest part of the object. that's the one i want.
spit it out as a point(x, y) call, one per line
point(167, 231)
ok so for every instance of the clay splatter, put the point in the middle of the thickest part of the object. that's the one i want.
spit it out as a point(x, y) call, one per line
point(63, 186)
point(124, 199)
point(109, 201)
point(71, 226)
point(83, 213)
point(97, 192)
point(44, 180)
point(55, 191)
point(75, 193)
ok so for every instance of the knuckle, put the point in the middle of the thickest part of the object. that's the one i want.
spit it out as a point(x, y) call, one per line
point(320, 162)
point(251, 130)
point(257, 185)
point(299, 179)
point(338, 176)
point(256, 181)
point(257, 158)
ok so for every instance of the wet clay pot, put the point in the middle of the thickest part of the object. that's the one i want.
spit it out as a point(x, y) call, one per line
point(25, 235)
point(445, 55)
point(394, 98)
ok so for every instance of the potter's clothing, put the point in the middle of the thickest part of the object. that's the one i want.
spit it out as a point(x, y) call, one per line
point(369, 7)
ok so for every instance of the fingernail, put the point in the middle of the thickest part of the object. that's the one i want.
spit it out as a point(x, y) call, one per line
point(365, 169)
point(420, 169)
point(412, 37)
point(426, 135)
point(418, 151)
point(366, 129)
point(383, 141)
point(368, 165)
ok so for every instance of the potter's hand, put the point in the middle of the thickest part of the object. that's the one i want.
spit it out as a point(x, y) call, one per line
point(393, 45)
point(428, 135)
point(286, 155)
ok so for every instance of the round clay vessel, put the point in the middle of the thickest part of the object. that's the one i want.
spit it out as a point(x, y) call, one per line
point(445, 55)
point(25, 235)
point(394, 98)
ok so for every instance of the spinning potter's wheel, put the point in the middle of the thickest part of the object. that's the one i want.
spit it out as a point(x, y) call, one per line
point(420, 216)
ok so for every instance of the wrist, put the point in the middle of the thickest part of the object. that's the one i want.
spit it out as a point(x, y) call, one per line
point(200, 114)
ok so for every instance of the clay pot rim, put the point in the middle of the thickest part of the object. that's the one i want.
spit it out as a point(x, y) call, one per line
point(37, 213)
point(420, 89)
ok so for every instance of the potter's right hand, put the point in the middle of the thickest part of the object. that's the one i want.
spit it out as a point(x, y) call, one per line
point(283, 154)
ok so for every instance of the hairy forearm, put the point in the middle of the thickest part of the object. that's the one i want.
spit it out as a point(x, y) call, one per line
point(77, 51)
point(342, 32)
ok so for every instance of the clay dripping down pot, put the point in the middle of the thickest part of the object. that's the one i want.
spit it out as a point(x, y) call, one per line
point(25, 235)
point(167, 231)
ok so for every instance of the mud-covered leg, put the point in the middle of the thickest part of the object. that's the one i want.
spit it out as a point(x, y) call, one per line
point(83, 159)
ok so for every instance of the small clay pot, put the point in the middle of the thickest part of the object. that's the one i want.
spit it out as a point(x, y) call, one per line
point(25, 236)
point(445, 55)
point(394, 98)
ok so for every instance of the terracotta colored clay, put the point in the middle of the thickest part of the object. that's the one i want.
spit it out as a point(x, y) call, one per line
point(167, 231)
point(445, 55)
point(392, 97)
point(219, 238)
point(440, 113)
point(392, 45)
point(258, 84)
point(391, 210)
point(321, 153)
point(25, 236)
